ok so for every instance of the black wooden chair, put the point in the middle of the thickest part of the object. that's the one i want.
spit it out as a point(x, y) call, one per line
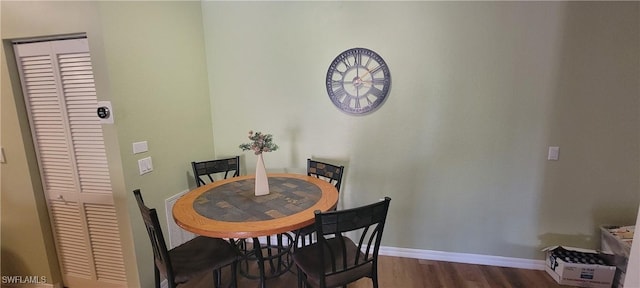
point(189, 260)
point(336, 260)
point(208, 169)
point(328, 172)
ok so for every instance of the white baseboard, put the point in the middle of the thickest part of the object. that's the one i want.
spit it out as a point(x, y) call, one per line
point(463, 258)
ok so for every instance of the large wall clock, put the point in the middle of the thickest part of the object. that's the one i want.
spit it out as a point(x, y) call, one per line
point(358, 81)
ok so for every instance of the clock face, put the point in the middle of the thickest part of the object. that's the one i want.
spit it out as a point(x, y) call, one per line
point(358, 81)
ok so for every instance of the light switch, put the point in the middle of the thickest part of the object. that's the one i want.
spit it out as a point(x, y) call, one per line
point(2, 155)
point(554, 152)
point(145, 165)
point(148, 164)
point(139, 147)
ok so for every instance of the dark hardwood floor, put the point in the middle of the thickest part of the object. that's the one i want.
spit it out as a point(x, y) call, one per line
point(395, 272)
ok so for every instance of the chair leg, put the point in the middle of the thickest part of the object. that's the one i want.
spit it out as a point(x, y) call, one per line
point(374, 275)
point(299, 278)
point(156, 276)
point(216, 278)
point(234, 271)
point(258, 250)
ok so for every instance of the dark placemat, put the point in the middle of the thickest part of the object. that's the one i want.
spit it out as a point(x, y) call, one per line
point(236, 202)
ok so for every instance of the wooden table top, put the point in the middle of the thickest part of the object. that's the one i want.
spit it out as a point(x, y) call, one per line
point(229, 209)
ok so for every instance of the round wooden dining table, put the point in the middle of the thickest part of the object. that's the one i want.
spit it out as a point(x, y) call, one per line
point(229, 208)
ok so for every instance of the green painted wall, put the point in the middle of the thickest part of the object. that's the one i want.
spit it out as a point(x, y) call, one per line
point(479, 91)
point(149, 61)
point(157, 69)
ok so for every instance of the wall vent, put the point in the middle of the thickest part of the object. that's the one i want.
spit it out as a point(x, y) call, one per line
point(177, 235)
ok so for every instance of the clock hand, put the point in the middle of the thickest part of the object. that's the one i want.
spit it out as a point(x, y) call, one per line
point(365, 74)
point(369, 71)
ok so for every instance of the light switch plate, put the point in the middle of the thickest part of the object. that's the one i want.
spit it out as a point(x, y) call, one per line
point(554, 153)
point(145, 165)
point(140, 147)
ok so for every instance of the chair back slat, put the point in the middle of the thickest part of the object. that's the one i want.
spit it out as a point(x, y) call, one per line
point(208, 169)
point(361, 241)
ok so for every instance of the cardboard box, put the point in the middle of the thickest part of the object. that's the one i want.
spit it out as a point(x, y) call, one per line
point(618, 280)
point(579, 267)
point(617, 240)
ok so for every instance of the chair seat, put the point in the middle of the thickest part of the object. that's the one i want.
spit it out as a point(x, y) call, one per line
point(307, 260)
point(201, 255)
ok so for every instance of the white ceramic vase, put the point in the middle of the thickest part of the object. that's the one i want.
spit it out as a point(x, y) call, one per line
point(262, 182)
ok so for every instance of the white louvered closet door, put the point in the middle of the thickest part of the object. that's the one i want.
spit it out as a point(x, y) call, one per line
point(59, 89)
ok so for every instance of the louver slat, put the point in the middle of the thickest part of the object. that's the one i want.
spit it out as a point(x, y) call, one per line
point(107, 254)
point(70, 237)
point(48, 123)
point(85, 127)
